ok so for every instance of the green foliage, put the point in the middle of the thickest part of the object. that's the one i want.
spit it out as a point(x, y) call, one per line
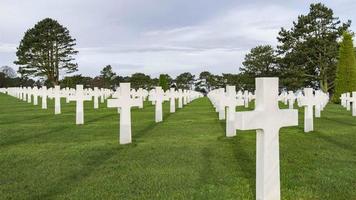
point(46, 50)
point(346, 68)
point(72, 81)
point(185, 80)
point(164, 81)
point(309, 49)
point(187, 156)
point(108, 76)
point(140, 80)
point(259, 62)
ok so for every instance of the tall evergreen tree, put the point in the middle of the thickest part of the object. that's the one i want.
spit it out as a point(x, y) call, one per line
point(346, 68)
point(309, 49)
point(46, 50)
point(259, 62)
point(164, 81)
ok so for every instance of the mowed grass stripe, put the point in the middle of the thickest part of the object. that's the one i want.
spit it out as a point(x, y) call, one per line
point(186, 156)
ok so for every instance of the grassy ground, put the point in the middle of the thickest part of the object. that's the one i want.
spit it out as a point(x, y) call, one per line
point(43, 156)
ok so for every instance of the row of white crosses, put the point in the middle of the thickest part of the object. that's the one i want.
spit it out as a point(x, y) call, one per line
point(348, 101)
point(230, 99)
point(125, 99)
point(79, 95)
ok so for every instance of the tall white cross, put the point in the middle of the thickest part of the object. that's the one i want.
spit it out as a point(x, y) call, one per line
point(124, 102)
point(353, 101)
point(158, 97)
point(172, 100)
point(96, 95)
point(308, 101)
point(246, 98)
point(79, 97)
point(348, 103)
point(229, 100)
point(267, 119)
point(57, 99)
point(291, 99)
point(29, 95)
point(35, 95)
point(43, 93)
point(180, 98)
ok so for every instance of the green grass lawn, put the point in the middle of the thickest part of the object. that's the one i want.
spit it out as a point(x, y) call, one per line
point(187, 156)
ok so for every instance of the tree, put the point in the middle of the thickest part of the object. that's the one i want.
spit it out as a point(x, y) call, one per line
point(108, 76)
point(309, 49)
point(46, 50)
point(72, 81)
point(184, 80)
point(140, 80)
point(259, 62)
point(346, 68)
point(8, 71)
point(164, 81)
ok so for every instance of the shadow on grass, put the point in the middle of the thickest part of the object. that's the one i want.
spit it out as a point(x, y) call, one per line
point(339, 121)
point(246, 163)
point(101, 118)
point(28, 118)
point(30, 137)
point(95, 158)
point(333, 141)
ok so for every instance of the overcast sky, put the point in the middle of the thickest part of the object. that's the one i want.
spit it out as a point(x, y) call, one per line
point(159, 36)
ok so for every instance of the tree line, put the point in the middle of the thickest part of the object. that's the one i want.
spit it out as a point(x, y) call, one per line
point(317, 51)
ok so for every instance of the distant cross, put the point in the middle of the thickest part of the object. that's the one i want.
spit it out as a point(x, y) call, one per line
point(343, 100)
point(348, 103)
point(267, 119)
point(291, 99)
point(35, 95)
point(57, 99)
point(79, 97)
point(353, 101)
point(246, 98)
point(158, 97)
point(221, 106)
point(43, 94)
point(172, 100)
point(308, 101)
point(29, 95)
point(141, 95)
point(96, 95)
point(180, 98)
point(124, 102)
point(229, 100)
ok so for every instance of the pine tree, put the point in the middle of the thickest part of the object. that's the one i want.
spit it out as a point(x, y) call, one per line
point(346, 68)
point(163, 81)
point(46, 50)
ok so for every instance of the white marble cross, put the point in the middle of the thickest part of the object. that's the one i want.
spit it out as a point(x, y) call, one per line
point(35, 95)
point(29, 95)
point(267, 119)
point(353, 101)
point(291, 99)
point(348, 103)
point(79, 97)
point(43, 94)
point(57, 99)
point(180, 98)
point(230, 101)
point(96, 95)
point(158, 97)
point(246, 98)
point(308, 101)
point(124, 102)
point(172, 100)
